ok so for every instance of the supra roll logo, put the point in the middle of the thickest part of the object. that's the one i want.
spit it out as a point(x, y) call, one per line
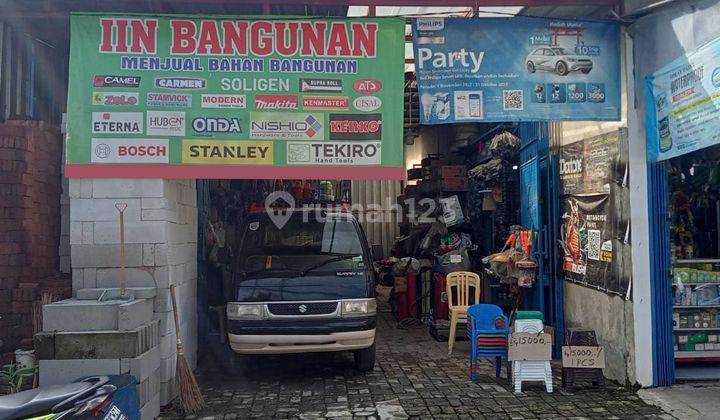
point(130, 151)
point(320, 85)
point(117, 122)
point(191, 83)
point(216, 125)
point(116, 81)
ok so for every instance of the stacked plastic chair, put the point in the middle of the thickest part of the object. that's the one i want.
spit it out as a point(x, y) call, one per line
point(581, 337)
point(487, 329)
point(525, 370)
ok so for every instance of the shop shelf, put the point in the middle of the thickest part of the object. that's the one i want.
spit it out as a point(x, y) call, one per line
point(697, 329)
point(695, 306)
point(700, 354)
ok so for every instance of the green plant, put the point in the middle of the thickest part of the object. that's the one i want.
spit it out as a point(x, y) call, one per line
point(14, 376)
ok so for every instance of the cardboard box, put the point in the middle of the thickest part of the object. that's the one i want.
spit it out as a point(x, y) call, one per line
point(527, 346)
point(583, 357)
point(448, 171)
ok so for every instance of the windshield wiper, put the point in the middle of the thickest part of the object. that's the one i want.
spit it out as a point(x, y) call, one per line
point(326, 262)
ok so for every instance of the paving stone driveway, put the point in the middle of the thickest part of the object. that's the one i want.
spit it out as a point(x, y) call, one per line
point(413, 377)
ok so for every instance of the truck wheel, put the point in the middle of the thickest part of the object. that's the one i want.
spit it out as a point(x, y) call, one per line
point(365, 359)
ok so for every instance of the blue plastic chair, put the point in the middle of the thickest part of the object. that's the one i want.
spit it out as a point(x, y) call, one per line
point(481, 324)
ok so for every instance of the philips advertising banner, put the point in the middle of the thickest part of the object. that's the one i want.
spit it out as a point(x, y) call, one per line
point(516, 69)
point(235, 97)
point(683, 104)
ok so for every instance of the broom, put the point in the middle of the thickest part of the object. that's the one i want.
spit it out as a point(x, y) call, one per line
point(191, 398)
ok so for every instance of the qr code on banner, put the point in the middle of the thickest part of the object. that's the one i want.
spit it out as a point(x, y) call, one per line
point(512, 100)
point(593, 247)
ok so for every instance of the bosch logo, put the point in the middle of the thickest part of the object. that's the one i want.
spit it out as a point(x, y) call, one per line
point(102, 150)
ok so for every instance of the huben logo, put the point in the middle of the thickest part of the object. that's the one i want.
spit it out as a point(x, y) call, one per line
point(355, 126)
point(116, 81)
point(320, 85)
point(193, 83)
point(117, 122)
point(276, 102)
point(367, 86)
point(222, 101)
point(278, 125)
point(130, 151)
point(165, 123)
point(209, 125)
point(177, 100)
point(115, 98)
point(326, 103)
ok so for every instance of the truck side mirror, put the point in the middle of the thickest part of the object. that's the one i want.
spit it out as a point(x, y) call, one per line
point(377, 252)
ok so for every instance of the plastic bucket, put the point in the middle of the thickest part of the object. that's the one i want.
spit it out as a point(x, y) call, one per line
point(25, 358)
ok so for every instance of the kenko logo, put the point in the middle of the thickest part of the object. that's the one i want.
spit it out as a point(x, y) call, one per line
point(355, 126)
point(276, 102)
point(130, 151)
point(165, 123)
point(216, 125)
point(275, 125)
point(116, 81)
point(569, 167)
point(117, 122)
point(222, 101)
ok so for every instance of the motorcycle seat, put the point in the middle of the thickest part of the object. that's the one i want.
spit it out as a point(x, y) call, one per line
point(38, 401)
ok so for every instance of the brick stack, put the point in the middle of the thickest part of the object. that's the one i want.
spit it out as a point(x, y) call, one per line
point(30, 182)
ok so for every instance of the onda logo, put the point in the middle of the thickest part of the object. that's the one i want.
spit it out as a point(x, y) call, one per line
point(216, 125)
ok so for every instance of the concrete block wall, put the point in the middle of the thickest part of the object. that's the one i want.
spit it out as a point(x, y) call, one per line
point(161, 250)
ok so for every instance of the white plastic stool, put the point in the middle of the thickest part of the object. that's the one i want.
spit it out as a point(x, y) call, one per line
point(526, 371)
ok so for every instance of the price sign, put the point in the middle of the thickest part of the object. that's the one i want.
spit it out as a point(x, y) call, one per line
point(527, 346)
point(587, 357)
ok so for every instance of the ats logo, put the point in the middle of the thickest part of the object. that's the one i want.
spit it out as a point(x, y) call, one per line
point(210, 125)
point(367, 86)
point(276, 102)
point(355, 126)
point(276, 125)
point(116, 81)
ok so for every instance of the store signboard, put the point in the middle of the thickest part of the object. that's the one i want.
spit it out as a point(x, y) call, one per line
point(516, 69)
point(683, 104)
point(232, 97)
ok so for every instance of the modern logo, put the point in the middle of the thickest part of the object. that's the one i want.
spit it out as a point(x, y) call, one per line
point(320, 85)
point(355, 126)
point(326, 103)
point(117, 122)
point(276, 102)
point(165, 123)
point(430, 24)
point(228, 152)
point(367, 86)
point(222, 101)
point(116, 81)
point(174, 100)
point(295, 126)
point(367, 103)
point(130, 151)
point(333, 153)
point(115, 98)
point(192, 83)
point(209, 125)
point(279, 206)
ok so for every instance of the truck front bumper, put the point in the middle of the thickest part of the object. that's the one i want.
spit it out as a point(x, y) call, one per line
point(301, 343)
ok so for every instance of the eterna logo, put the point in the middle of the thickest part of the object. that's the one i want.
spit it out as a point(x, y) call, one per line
point(216, 125)
point(117, 122)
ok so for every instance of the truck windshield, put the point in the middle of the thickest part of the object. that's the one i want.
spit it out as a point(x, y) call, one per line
point(301, 246)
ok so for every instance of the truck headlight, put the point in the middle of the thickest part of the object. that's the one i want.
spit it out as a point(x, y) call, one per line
point(359, 307)
point(240, 311)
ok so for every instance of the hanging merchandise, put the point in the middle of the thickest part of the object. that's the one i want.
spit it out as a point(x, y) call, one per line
point(505, 146)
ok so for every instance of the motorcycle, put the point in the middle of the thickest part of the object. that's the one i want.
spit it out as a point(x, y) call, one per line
point(112, 397)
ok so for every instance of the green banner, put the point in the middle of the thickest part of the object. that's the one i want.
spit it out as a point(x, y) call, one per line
point(234, 97)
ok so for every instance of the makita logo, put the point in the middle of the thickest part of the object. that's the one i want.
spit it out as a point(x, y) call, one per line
point(355, 126)
point(116, 81)
point(276, 102)
point(569, 167)
point(222, 101)
point(216, 125)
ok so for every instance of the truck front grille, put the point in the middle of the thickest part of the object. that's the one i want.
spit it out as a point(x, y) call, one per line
point(302, 308)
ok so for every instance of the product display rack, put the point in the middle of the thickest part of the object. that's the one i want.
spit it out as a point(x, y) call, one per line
point(696, 310)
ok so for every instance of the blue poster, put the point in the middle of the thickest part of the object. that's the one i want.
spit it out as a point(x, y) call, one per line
point(683, 104)
point(516, 69)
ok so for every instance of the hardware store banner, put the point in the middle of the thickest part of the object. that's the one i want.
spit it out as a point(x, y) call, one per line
point(234, 97)
point(516, 69)
point(683, 104)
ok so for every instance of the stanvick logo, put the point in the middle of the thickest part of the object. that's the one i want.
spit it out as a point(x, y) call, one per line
point(222, 101)
point(117, 122)
point(326, 103)
point(339, 153)
point(216, 125)
point(367, 103)
point(116, 81)
point(165, 123)
point(276, 125)
point(178, 100)
point(130, 151)
point(276, 102)
point(355, 126)
point(114, 98)
point(180, 83)
point(367, 86)
point(320, 85)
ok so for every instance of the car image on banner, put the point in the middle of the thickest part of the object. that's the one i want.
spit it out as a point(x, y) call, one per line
point(516, 69)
